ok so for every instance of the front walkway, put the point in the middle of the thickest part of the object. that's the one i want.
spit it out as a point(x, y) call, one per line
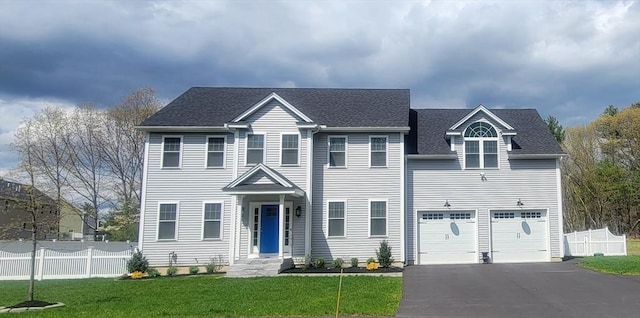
point(517, 290)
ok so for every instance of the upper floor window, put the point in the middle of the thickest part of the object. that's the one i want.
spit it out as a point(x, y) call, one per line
point(215, 152)
point(171, 152)
point(255, 149)
point(337, 151)
point(289, 147)
point(480, 146)
point(378, 151)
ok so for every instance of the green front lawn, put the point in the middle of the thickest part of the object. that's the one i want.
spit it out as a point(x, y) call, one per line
point(621, 265)
point(633, 247)
point(212, 296)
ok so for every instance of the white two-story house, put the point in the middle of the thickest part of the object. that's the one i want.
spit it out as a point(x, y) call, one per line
point(284, 173)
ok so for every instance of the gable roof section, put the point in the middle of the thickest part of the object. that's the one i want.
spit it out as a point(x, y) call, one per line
point(214, 106)
point(280, 184)
point(476, 110)
point(431, 125)
point(266, 100)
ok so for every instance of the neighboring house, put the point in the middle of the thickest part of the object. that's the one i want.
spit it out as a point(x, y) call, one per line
point(75, 224)
point(18, 203)
point(251, 173)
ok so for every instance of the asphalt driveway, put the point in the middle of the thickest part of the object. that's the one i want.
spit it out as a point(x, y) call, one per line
point(517, 290)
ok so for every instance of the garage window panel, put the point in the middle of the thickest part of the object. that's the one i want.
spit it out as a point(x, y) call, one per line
point(531, 215)
point(460, 216)
point(432, 216)
point(504, 215)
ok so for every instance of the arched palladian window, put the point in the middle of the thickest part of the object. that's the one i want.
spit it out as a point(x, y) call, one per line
point(480, 146)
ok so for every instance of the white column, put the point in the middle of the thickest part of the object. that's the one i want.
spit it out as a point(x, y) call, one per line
point(236, 225)
point(281, 228)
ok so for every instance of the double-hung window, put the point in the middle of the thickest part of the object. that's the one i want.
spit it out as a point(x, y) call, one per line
point(212, 227)
point(215, 152)
point(378, 145)
point(171, 152)
point(289, 155)
point(336, 224)
point(167, 221)
point(480, 146)
point(255, 149)
point(378, 213)
point(337, 151)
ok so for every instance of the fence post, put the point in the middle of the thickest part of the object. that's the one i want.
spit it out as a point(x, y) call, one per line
point(89, 259)
point(624, 244)
point(41, 263)
point(606, 240)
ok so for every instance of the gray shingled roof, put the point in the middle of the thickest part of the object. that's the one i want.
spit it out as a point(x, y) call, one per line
point(15, 191)
point(428, 127)
point(213, 106)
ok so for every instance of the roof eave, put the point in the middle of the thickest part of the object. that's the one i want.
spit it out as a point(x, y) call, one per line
point(537, 156)
point(182, 128)
point(433, 156)
point(365, 129)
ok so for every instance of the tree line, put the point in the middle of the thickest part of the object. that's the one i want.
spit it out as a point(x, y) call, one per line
point(90, 157)
point(601, 174)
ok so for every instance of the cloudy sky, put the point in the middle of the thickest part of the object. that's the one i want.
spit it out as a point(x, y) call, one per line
point(567, 59)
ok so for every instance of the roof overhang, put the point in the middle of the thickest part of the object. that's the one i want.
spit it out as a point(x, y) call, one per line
point(296, 192)
point(365, 129)
point(182, 128)
point(433, 157)
point(536, 156)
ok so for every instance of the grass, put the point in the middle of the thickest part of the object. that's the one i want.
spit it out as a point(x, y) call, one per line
point(620, 265)
point(633, 247)
point(212, 296)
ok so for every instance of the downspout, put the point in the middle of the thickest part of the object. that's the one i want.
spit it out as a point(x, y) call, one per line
point(309, 209)
point(143, 196)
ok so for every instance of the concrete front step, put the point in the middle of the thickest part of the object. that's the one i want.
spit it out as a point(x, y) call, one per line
point(258, 267)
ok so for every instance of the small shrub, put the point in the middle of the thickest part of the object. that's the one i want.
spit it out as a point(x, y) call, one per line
point(319, 263)
point(308, 262)
point(354, 262)
point(137, 263)
point(153, 272)
point(172, 271)
point(338, 262)
point(372, 266)
point(214, 265)
point(136, 275)
point(384, 254)
point(370, 260)
point(194, 270)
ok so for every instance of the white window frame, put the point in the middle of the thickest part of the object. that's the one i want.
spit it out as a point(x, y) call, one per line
point(162, 151)
point(177, 204)
point(346, 151)
point(481, 153)
point(204, 220)
point(282, 150)
point(386, 151)
point(246, 147)
point(344, 218)
point(224, 152)
point(369, 217)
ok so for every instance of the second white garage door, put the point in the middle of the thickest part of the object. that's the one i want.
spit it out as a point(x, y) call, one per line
point(519, 236)
point(447, 237)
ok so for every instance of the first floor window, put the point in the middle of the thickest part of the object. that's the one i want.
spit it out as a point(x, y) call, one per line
point(336, 219)
point(337, 151)
point(378, 218)
point(255, 149)
point(171, 152)
point(167, 221)
point(212, 220)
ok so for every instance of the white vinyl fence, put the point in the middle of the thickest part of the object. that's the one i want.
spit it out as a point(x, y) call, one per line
point(587, 243)
point(51, 264)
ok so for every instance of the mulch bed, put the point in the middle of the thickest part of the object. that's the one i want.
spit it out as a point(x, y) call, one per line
point(358, 270)
point(32, 303)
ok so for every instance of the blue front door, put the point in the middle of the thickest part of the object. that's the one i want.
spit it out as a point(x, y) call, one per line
point(269, 229)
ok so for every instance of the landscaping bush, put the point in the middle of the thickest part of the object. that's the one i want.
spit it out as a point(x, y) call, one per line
point(354, 262)
point(338, 262)
point(384, 255)
point(194, 270)
point(214, 265)
point(308, 262)
point(172, 271)
point(319, 263)
point(137, 263)
point(370, 260)
point(153, 272)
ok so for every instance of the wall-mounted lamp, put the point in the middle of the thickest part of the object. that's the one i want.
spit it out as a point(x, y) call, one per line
point(446, 204)
point(520, 203)
point(298, 211)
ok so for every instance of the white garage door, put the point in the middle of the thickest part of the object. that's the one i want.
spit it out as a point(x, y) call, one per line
point(447, 237)
point(519, 236)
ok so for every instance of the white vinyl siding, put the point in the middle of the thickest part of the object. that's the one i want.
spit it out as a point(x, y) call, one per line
point(255, 149)
point(378, 222)
point(289, 146)
point(212, 222)
point(338, 151)
point(215, 152)
point(167, 221)
point(336, 223)
point(171, 151)
point(378, 151)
